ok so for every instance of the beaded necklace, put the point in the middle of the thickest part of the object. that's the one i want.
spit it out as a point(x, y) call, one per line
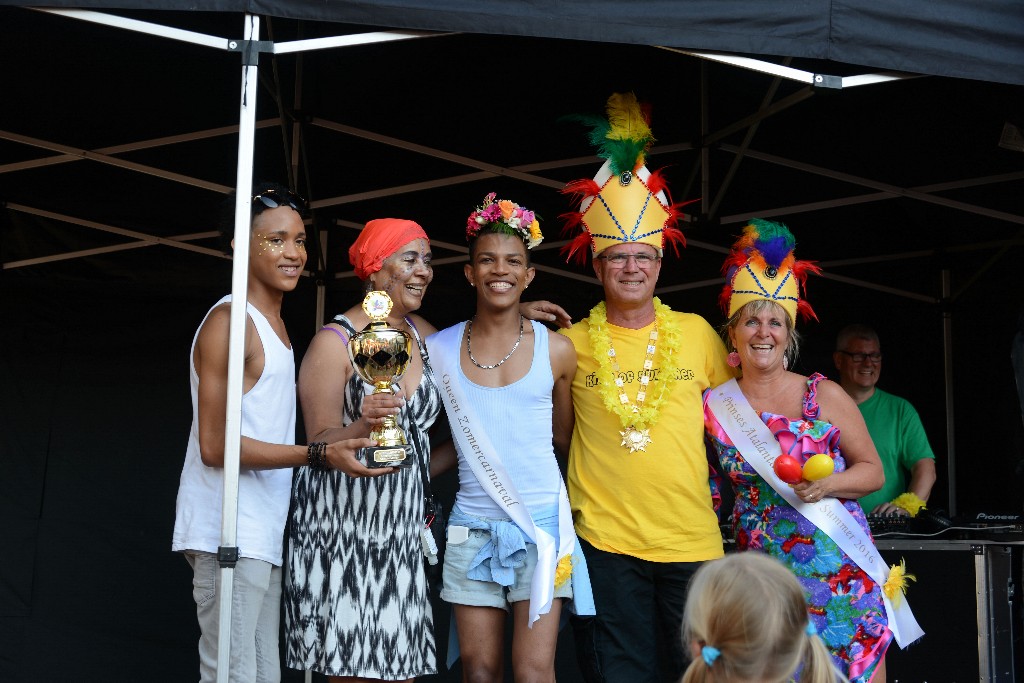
point(636, 417)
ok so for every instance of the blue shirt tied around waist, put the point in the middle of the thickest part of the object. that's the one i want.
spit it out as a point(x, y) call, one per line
point(505, 551)
point(509, 541)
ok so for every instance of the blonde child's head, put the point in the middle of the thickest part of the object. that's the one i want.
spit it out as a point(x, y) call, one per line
point(746, 620)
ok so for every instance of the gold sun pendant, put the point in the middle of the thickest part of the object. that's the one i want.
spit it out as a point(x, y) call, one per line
point(635, 439)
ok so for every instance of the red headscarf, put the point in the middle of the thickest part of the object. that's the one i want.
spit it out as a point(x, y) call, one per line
point(378, 240)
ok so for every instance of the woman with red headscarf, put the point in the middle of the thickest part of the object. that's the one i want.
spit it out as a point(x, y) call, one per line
point(356, 603)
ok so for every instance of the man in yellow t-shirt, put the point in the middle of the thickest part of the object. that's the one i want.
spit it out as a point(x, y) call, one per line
point(640, 491)
point(639, 481)
point(638, 474)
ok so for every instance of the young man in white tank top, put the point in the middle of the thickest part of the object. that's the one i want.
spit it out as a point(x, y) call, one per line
point(268, 451)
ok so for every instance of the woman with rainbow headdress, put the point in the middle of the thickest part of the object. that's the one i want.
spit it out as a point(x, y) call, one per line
point(770, 416)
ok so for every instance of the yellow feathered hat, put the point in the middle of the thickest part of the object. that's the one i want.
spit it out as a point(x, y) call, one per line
point(625, 202)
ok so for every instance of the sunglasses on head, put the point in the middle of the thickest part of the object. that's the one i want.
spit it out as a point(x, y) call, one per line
point(273, 199)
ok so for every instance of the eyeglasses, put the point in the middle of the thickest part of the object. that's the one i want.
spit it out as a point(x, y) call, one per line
point(861, 357)
point(273, 199)
point(620, 259)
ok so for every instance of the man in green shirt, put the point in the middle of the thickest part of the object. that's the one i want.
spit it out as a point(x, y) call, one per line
point(893, 423)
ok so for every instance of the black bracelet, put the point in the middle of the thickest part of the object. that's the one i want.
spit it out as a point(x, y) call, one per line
point(316, 455)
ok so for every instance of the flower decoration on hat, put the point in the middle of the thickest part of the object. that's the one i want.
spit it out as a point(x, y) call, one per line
point(762, 266)
point(506, 217)
point(625, 202)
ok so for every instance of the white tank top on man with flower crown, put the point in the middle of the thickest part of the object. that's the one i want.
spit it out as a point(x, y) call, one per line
point(524, 438)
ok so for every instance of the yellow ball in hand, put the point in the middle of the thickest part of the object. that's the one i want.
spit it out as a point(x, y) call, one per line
point(818, 466)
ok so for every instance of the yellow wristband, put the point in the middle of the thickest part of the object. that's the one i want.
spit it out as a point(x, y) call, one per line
point(908, 501)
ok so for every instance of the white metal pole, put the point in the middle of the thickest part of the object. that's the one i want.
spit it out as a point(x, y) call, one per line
point(239, 288)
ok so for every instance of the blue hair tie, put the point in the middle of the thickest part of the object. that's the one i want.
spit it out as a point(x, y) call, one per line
point(710, 654)
point(811, 631)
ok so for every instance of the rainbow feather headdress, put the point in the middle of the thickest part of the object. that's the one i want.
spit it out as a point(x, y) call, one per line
point(625, 202)
point(762, 266)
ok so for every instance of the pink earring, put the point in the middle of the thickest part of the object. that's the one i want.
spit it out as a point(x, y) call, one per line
point(733, 360)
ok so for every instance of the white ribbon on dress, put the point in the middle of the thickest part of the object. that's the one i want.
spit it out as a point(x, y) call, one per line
point(470, 434)
point(760, 448)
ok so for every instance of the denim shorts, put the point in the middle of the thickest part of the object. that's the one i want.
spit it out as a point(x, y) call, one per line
point(461, 590)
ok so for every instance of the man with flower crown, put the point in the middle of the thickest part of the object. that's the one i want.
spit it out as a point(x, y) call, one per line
point(505, 386)
point(642, 493)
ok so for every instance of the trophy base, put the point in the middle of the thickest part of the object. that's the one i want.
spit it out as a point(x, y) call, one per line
point(377, 457)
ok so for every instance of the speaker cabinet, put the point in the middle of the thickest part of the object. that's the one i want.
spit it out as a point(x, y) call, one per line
point(966, 600)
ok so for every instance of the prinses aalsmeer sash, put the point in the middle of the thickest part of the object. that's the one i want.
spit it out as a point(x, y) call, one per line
point(760, 448)
point(470, 434)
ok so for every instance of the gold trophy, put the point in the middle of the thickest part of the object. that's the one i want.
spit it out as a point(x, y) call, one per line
point(380, 355)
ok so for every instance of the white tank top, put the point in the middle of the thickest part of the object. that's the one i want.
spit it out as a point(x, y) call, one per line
point(518, 421)
point(268, 414)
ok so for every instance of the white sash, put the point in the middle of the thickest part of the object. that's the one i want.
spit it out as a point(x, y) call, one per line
point(760, 448)
point(470, 434)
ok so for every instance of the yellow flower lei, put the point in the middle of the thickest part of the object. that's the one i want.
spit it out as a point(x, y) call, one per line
point(670, 340)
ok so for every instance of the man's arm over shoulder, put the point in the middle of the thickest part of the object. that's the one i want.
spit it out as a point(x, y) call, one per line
point(546, 311)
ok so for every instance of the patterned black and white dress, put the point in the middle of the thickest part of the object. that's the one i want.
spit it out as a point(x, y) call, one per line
point(355, 594)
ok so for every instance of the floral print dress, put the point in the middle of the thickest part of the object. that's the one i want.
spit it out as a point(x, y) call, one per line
point(845, 604)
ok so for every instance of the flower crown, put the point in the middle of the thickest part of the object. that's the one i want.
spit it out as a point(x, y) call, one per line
point(506, 217)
